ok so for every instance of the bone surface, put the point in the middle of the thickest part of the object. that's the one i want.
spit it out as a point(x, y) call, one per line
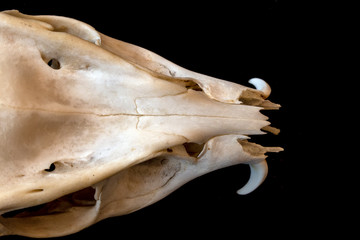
point(93, 127)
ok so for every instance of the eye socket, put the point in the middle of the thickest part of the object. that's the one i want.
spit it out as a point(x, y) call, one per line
point(54, 64)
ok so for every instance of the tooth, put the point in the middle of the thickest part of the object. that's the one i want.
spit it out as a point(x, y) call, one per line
point(98, 190)
point(261, 85)
point(257, 176)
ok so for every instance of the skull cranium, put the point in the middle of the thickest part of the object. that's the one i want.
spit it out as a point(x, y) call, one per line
point(93, 127)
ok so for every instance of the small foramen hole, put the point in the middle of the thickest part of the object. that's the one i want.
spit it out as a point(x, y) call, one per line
point(54, 64)
point(51, 168)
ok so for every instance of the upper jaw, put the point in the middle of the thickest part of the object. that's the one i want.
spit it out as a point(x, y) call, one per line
point(112, 126)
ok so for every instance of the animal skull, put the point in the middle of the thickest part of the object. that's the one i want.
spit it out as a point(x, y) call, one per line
point(93, 127)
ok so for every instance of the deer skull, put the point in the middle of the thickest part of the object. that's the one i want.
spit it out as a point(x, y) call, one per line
point(93, 127)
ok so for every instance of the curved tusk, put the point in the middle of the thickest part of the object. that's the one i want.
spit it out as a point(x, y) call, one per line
point(261, 85)
point(257, 176)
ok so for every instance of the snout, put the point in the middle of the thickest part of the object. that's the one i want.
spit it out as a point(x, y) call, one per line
point(197, 117)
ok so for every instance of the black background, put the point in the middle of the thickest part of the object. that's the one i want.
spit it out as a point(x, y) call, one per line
point(282, 42)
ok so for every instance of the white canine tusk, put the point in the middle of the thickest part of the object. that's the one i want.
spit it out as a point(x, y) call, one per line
point(257, 176)
point(261, 85)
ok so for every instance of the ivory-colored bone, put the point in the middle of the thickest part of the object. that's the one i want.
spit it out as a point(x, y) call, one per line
point(93, 127)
